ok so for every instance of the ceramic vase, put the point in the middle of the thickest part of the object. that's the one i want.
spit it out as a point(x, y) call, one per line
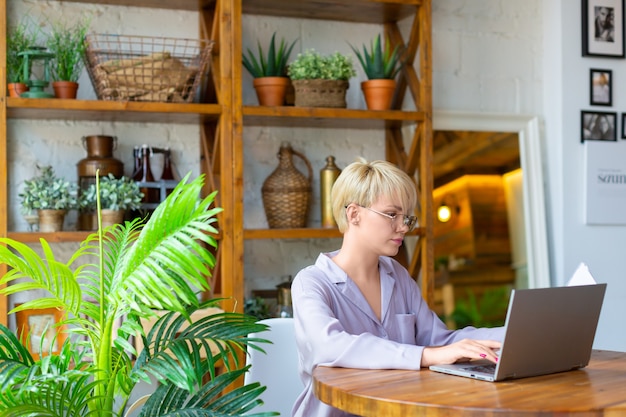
point(378, 93)
point(65, 89)
point(15, 89)
point(271, 91)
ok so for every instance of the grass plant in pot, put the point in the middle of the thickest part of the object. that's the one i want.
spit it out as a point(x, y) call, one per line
point(51, 196)
point(67, 43)
point(381, 67)
point(321, 81)
point(120, 275)
point(117, 195)
point(270, 72)
point(19, 39)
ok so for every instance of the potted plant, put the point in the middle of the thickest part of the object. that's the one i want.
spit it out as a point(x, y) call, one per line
point(67, 44)
point(381, 67)
point(117, 195)
point(270, 71)
point(321, 81)
point(19, 39)
point(121, 274)
point(51, 196)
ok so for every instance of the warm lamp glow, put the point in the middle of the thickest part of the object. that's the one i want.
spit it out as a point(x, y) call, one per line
point(444, 214)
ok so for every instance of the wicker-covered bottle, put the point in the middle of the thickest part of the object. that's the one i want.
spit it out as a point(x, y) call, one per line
point(287, 192)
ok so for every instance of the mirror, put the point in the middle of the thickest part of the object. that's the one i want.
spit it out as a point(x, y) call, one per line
point(526, 128)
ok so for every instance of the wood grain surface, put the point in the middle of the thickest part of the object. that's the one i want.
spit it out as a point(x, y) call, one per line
point(597, 390)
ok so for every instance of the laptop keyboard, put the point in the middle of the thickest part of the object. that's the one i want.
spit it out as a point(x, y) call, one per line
point(487, 369)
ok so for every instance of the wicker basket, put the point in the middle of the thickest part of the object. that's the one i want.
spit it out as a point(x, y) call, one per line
point(320, 93)
point(142, 68)
point(287, 192)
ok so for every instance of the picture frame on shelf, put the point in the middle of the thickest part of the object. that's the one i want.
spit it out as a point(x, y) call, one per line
point(38, 330)
point(600, 87)
point(597, 125)
point(603, 28)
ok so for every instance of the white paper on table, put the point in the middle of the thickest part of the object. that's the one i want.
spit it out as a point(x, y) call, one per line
point(581, 276)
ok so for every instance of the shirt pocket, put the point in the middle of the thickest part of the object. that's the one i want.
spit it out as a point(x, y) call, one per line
point(406, 328)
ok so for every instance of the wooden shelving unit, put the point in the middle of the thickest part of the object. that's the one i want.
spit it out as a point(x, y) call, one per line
point(223, 122)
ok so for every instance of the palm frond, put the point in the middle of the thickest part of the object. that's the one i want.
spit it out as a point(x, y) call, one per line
point(43, 273)
point(218, 338)
point(208, 401)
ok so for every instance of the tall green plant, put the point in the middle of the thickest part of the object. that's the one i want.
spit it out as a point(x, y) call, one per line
point(19, 38)
point(67, 43)
point(272, 65)
point(378, 63)
point(140, 267)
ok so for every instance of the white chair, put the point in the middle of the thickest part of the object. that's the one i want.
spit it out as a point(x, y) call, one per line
point(277, 369)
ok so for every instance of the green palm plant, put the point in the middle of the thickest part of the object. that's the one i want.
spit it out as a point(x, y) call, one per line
point(378, 63)
point(141, 267)
point(272, 65)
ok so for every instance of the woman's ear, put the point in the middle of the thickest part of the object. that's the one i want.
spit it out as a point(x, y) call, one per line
point(352, 214)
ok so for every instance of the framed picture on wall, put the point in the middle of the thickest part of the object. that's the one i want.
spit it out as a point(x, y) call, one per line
point(623, 127)
point(596, 125)
point(38, 331)
point(603, 28)
point(601, 87)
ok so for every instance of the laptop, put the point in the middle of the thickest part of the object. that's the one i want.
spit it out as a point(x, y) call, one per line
point(547, 330)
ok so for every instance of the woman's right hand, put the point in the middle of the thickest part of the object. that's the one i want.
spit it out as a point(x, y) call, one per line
point(461, 351)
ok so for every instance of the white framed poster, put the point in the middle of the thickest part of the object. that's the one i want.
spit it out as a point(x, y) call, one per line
point(605, 183)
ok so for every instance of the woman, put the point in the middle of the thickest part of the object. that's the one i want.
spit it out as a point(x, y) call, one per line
point(359, 308)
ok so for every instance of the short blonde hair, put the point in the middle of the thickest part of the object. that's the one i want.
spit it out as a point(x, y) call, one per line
point(364, 183)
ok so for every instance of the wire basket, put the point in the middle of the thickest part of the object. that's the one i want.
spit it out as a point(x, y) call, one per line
point(146, 68)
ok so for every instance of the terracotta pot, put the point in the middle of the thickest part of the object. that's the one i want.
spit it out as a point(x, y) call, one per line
point(271, 91)
point(51, 220)
point(111, 217)
point(65, 89)
point(378, 93)
point(15, 89)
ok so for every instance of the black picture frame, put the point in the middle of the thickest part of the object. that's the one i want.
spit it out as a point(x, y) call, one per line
point(603, 28)
point(598, 125)
point(623, 126)
point(600, 87)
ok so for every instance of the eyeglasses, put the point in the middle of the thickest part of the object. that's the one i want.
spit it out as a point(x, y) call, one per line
point(408, 221)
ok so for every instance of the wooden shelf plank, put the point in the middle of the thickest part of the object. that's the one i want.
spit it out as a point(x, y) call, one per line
point(365, 11)
point(56, 237)
point(303, 233)
point(318, 117)
point(111, 111)
point(191, 5)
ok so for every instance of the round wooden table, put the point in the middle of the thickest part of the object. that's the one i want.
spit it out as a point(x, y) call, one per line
point(597, 390)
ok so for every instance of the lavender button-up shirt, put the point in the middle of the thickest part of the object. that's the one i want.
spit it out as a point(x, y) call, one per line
point(335, 326)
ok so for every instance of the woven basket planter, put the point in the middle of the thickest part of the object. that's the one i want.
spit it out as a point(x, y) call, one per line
point(320, 93)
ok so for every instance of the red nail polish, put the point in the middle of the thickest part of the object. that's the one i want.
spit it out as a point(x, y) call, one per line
point(482, 355)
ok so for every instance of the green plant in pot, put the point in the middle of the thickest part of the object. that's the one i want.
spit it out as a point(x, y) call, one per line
point(67, 43)
point(51, 196)
point(118, 277)
point(270, 71)
point(381, 67)
point(19, 39)
point(321, 80)
point(117, 195)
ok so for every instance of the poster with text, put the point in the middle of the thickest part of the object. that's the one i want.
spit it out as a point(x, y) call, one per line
point(605, 183)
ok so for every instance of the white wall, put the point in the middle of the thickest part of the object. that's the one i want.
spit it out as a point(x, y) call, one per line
point(601, 247)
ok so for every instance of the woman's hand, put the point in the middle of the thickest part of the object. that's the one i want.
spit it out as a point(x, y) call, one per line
point(461, 351)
